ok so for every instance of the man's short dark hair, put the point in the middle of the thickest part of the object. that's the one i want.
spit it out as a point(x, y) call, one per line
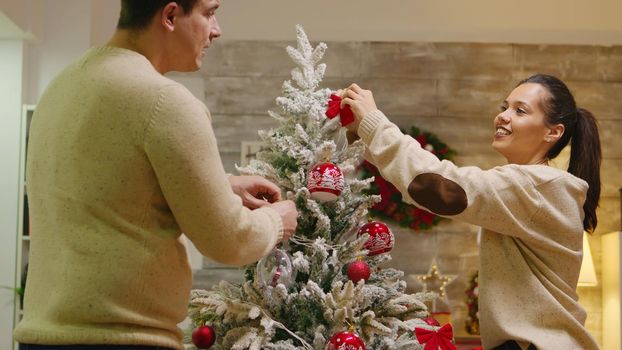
point(137, 14)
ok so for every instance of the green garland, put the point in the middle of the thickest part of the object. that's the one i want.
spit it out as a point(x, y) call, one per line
point(391, 206)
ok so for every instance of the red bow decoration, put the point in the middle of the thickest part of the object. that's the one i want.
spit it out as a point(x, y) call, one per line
point(334, 109)
point(435, 339)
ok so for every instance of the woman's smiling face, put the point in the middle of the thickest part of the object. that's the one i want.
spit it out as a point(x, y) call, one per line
point(520, 129)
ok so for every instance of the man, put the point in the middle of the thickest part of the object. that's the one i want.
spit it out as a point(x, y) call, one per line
point(121, 161)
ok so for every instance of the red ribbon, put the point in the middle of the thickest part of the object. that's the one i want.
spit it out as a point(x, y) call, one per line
point(334, 109)
point(435, 339)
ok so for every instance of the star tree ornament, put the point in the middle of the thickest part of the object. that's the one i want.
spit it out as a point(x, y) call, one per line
point(434, 281)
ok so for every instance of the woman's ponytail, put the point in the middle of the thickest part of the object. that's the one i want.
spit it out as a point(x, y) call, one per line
point(581, 131)
point(585, 159)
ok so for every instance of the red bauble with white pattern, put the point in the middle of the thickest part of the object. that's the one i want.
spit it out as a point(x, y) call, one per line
point(203, 337)
point(325, 182)
point(381, 239)
point(345, 341)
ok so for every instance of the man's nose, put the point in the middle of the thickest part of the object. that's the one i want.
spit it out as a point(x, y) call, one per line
point(216, 31)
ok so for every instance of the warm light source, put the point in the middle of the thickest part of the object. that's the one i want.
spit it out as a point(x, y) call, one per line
point(587, 276)
point(612, 329)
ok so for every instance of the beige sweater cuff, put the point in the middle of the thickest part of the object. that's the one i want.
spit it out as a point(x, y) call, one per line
point(369, 124)
point(277, 223)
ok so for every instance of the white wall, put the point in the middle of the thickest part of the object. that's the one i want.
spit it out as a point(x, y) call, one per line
point(11, 54)
point(104, 15)
point(526, 21)
point(65, 36)
point(25, 14)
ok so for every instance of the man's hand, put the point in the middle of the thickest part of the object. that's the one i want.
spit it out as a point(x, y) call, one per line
point(254, 190)
point(289, 216)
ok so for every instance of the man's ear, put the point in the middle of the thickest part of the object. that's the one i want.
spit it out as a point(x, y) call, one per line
point(168, 16)
point(555, 133)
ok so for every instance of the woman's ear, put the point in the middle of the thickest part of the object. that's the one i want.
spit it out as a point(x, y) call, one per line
point(169, 15)
point(555, 133)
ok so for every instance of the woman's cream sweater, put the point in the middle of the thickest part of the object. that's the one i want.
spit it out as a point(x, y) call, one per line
point(531, 245)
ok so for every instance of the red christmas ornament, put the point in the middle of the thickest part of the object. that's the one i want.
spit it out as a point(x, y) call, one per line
point(345, 341)
point(203, 337)
point(358, 270)
point(380, 240)
point(325, 182)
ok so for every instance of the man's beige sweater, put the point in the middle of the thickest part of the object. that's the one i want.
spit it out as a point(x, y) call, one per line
point(121, 161)
point(531, 246)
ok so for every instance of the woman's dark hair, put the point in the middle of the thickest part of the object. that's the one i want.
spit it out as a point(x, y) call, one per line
point(137, 14)
point(581, 131)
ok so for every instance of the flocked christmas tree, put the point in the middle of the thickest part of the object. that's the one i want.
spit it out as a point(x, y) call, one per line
point(325, 288)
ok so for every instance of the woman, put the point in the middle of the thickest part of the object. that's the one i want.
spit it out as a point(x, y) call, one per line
point(532, 215)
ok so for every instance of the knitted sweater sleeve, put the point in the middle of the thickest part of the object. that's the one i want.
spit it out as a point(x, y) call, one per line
point(181, 146)
point(503, 199)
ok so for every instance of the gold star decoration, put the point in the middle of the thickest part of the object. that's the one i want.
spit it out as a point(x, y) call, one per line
point(434, 281)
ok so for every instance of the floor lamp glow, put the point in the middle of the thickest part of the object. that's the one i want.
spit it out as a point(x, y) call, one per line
point(611, 244)
point(612, 286)
point(587, 275)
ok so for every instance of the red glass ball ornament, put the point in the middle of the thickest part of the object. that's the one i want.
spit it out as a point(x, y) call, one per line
point(325, 182)
point(432, 321)
point(345, 341)
point(358, 270)
point(381, 239)
point(203, 337)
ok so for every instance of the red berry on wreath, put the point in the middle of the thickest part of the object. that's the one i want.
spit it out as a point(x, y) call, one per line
point(203, 337)
point(358, 270)
point(345, 341)
point(381, 239)
point(325, 182)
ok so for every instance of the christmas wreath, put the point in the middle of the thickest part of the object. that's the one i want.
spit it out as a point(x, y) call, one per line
point(391, 206)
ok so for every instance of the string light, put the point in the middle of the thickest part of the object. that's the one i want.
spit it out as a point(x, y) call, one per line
point(436, 278)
